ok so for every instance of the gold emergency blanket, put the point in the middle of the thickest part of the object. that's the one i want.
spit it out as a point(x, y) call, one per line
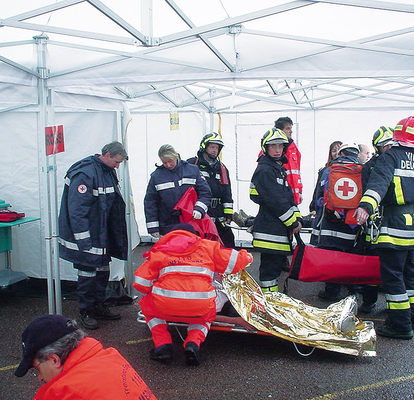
point(335, 328)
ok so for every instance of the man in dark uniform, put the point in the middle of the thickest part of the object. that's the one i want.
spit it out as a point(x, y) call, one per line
point(391, 187)
point(217, 177)
point(92, 228)
point(382, 141)
point(279, 217)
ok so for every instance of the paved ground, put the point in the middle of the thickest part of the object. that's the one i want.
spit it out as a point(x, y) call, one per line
point(234, 365)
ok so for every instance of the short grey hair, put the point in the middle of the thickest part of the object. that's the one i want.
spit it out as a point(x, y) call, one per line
point(167, 151)
point(114, 148)
point(62, 347)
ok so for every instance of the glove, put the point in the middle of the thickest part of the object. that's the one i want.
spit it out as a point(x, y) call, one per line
point(155, 235)
point(197, 214)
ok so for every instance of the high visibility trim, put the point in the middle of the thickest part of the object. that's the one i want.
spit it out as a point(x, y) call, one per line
point(187, 269)
point(205, 173)
point(396, 297)
point(408, 219)
point(232, 262)
point(201, 205)
point(270, 289)
point(199, 327)
point(394, 241)
point(410, 293)
point(397, 232)
point(82, 235)
point(253, 192)
point(163, 186)
point(67, 181)
point(270, 238)
point(341, 235)
point(404, 173)
point(228, 205)
point(187, 181)
point(288, 214)
point(292, 171)
point(398, 306)
point(372, 202)
point(154, 322)
point(87, 274)
point(154, 224)
point(271, 246)
point(143, 282)
point(399, 195)
point(73, 246)
point(218, 177)
point(268, 284)
point(105, 268)
point(228, 211)
point(176, 294)
point(101, 190)
point(375, 195)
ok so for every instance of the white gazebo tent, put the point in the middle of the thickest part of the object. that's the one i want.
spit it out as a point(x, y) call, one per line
point(339, 68)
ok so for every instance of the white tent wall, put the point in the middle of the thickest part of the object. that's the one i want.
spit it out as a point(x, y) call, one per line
point(313, 132)
point(22, 182)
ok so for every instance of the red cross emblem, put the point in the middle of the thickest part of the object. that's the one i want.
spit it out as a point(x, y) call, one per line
point(82, 189)
point(345, 188)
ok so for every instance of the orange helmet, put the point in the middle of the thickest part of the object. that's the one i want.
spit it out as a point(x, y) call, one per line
point(404, 130)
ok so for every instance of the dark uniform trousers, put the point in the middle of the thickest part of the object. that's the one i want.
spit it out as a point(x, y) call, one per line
point(91, 287)
point(397, 275)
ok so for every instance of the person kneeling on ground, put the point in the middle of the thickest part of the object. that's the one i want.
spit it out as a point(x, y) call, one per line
point(74, 366)
point(177, 281)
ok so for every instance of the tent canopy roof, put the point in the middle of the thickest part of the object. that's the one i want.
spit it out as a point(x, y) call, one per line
point(212, 56)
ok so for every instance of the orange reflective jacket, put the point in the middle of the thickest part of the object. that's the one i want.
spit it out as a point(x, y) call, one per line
point(178, 272)
point(92, 372)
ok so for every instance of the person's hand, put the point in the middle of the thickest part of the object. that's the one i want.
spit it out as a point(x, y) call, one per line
point(361, 215)
point(300, 198)
point(197, 214)
point(227, 221)
point(297, 229)
point(155, 235)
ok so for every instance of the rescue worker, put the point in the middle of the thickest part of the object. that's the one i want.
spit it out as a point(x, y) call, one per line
point(279, 216)
point(167, 185)
point(293, 156)
point(74, 366)
point(330, 230)
point(381, 141)
point(176, 279)
point(217, 176)
point(391, 187)
point(92, 228)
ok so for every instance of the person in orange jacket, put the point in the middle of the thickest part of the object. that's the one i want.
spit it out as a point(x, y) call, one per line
point(74, 366)
point(177, 281)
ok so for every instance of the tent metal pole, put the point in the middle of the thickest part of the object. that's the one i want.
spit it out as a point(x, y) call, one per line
point(52, 170)
point(125, 192)
point(41, 41)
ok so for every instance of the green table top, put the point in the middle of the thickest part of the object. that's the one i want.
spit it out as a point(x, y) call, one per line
point(17, 222)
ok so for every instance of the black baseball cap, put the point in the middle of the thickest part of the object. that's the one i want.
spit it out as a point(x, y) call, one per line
point(41, 332)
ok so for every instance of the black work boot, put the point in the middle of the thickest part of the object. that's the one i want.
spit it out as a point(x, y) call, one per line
point(366, 308)
point(387, 330)
point(102, 312)
point(162, 353)
point(192, 354)
point(88, 321)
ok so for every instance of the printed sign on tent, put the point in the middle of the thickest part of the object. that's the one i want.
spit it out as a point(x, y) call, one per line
point(174, 122)
point(55, 142)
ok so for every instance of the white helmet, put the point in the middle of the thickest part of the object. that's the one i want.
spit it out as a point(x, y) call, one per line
point(349, 148)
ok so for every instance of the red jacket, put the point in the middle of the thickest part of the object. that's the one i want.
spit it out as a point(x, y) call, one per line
point(178, 272)
point(91, 372)
point(293, 170)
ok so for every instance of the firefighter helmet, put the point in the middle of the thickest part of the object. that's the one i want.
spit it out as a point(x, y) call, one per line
point(349, 148)
point(212, 137)
point(273, 135)
point(382, 137)
point(404, 130)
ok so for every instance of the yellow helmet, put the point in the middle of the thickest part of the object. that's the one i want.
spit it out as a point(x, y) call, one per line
point(273, 135)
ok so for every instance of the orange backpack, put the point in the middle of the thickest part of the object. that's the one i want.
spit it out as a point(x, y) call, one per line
point(344, 189)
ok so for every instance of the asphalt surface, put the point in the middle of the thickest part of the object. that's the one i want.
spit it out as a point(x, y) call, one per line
point(234, 365)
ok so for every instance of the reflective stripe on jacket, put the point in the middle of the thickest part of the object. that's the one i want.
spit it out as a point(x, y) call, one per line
point(391, 184)
point(178, 273)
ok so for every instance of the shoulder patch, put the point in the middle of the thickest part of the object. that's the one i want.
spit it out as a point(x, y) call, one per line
point(82, 189)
